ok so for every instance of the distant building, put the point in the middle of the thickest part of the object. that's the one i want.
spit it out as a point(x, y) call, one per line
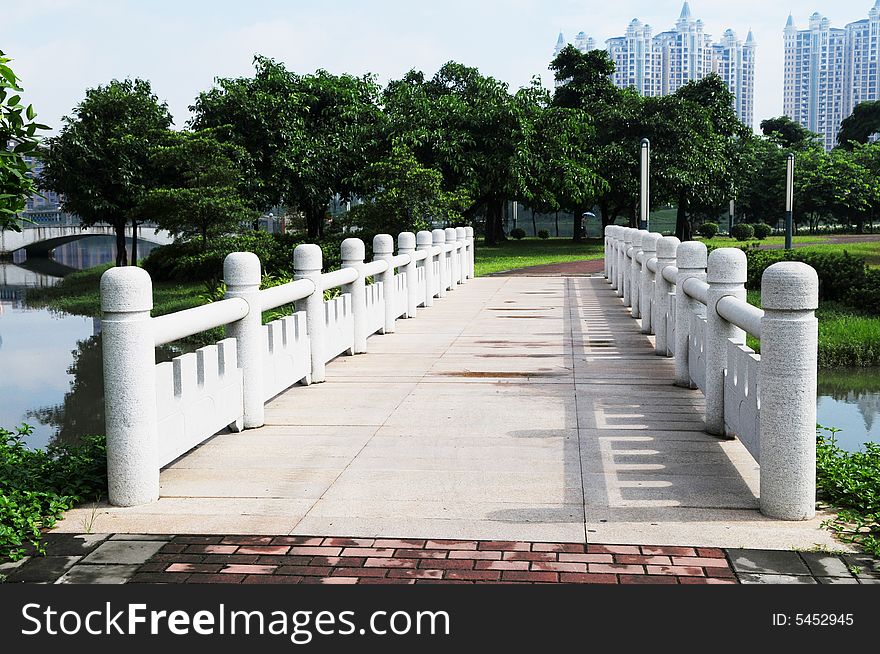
point(660, 64)
point(829, 70)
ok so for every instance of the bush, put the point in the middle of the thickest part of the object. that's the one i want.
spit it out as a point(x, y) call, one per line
point(37, 486)
point(543, 233)
point(707, 230)
point(742, 232)
point(850, 481)
point(762, 231)
point(189, 261)
point(518, 233)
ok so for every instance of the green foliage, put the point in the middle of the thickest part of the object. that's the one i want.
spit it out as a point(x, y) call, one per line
point(190, 261)
point(860, 125)
point(742, 231)
point(518, 233)
point(788, 134)
point(842, 278)
point(850, 482)
point(17, 139)
point(847, 337)
point(37, 486)
point(708, 230)
point(762, 230)
point(100, 162)
point(402, 195)
point(308, 135)
point(543, 234)
point(199, 186)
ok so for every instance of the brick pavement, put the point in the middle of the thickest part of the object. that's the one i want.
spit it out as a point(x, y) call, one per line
point(144, 558)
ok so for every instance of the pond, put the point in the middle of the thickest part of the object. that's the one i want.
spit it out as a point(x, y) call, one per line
point(849, 399)
point(50, 362)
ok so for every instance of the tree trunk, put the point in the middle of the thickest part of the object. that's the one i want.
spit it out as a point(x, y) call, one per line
point(557, 224)
point(494, 221)
point(134, 242)
point(121, 254)
point(682, 224)
point(315, 222)
point(578, 227)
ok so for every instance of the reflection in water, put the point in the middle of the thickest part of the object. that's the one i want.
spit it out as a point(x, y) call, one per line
point(849, 399)
point(50, 362)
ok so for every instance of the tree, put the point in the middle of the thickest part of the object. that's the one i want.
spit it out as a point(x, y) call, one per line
point(400, 194)
point(17, 139)
point(470, 128)
point(788, 134)
point(761, 195)
point(860, 125)
point(100, 162)
point(199, 186)
point(308, 135)
point(833, 185)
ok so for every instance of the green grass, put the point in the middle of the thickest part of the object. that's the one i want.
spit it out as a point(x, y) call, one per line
point(727, 242)
point(79, 294)
point(869, 250)
point(512, 254)
point(846, 338)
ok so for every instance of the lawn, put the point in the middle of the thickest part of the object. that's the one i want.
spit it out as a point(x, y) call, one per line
point(533, 252)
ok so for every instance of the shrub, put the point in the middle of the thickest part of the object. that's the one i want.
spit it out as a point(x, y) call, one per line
point(762, 231)
point(518, 233)
point(189, 261)
point(850, 481)
point(543, 233)
point(742, 232)
point(37, 486)
point(707, 230)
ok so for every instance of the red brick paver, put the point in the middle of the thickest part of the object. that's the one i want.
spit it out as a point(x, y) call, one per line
point(341, 560)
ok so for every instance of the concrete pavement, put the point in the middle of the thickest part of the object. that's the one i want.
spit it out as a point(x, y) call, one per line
point(518, 408)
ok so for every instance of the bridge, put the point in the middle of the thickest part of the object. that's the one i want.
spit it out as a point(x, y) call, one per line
point(40, 239)
point(429, 404)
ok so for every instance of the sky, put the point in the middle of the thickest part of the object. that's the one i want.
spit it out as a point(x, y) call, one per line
point(62, 47)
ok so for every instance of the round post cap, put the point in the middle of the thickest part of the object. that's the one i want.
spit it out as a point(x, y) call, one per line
point(406, 241)
point(649, 241)
point(307, 257)
point(692, 255)
point(126, 288)
point(667, 246)
point(727, 266)
point(241, 269)
point(353, 249)
point(383, 244)
point(424, 239)
point(789, 285)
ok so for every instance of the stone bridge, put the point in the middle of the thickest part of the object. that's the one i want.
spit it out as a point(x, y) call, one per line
point(39, 240)
point(508, 408)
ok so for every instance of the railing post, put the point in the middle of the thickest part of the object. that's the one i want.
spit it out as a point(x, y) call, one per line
point(383, 250)
point(469, 234)
point(726, 276)
point(666, 249)
point(406, 244)
point(241, 272)
point(620, 259)
point(646, 293)
point(787, 388)
point(636, 272)
point(353, 252)
point(439, 237)
point(691, 258)
point(307, 264)
point(424, 241)
point(461, 239)
point(129, 358)
point(607, 262)
point(454, 268)
point(628, 236)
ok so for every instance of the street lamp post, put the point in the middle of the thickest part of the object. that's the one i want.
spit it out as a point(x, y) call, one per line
point(646, 184)
point(730, 213)
point(789, 199)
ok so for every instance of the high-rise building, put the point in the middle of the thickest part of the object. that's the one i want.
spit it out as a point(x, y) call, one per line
point(828, 71)
point(660, 64)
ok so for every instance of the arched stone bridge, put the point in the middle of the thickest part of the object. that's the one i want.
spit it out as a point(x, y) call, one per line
point(40, 240)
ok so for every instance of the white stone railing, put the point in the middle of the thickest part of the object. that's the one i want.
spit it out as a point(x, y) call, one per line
point(696, 307)
point(155, 413)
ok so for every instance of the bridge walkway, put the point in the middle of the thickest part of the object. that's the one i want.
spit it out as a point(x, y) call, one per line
point(518, 408)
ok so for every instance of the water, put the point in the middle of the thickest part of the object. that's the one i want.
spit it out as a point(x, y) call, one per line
point(849, 399)
point(50, 362)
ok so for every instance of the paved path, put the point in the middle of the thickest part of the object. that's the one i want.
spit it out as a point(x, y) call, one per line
point(146, 558)
point(518, 408)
